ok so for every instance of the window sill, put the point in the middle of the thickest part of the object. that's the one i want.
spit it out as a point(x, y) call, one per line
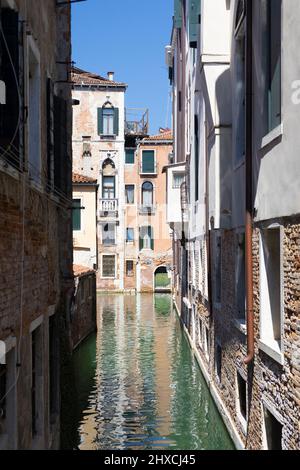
point(242, 421)
point(241, 325)
point(272, 349)
point(9, 170)
point(273, 135)
point(35, 185)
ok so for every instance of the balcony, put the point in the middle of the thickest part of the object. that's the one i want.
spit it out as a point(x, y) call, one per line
point(109, 207)
point(147, 171)
point(136, 122)
point(147, 210)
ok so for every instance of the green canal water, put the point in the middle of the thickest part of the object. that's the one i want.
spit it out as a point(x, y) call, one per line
point(138, 384)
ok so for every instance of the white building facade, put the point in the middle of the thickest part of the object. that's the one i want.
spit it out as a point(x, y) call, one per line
point(232, 67)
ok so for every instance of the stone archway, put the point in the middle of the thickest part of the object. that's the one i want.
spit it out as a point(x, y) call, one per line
point(162, 280)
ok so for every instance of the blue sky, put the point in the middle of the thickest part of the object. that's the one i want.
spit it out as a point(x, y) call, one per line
point(127, 37)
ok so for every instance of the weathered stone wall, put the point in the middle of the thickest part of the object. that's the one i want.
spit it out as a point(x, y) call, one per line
point(83, 316)
point(32, 292)
point(269, 383)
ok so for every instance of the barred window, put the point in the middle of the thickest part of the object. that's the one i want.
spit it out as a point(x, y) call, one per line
point(108, 266)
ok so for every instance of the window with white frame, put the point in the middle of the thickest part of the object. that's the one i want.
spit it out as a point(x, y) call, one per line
point(271, 286)
point(109, 266)
point(178, 179)
point(240, 278)
point(218, 361)
point(129, 193)
point(108, 234)
point(272, 430)
point(242, 398)
point(217, 270)
point(129, 235)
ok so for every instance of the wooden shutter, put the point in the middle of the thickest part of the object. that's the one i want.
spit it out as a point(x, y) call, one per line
point(151, 235)
point(148, 161)
point(194, 20)
point(141, 241)
point(9, 113)
point(116, 121)
point(100, 121)
point(76, 214)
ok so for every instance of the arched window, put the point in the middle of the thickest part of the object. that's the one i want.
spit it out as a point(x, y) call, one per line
point(108, 120)
point(147, 194)
point(108, 179)
point(146, 238)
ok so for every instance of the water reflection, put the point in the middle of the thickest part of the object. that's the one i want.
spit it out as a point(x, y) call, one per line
point(139, 386)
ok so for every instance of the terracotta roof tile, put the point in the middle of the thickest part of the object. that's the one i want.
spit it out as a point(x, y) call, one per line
point(81, 179)
point(166, 135)
point(82, 270)
point(81, 77)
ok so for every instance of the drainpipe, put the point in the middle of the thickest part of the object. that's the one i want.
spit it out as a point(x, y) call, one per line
point(208, 232)
point(249, 192)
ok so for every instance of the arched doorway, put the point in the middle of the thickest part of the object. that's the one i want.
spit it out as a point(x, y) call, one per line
point(162, 280)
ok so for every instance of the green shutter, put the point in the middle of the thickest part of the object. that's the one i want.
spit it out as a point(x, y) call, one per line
point(100, 121)
point(141, 243)
point(129, 156)
point(116, 121)
point(148, 165)
point(177, 13)
point(151, 235)
point(76, 214)
point(194, 20)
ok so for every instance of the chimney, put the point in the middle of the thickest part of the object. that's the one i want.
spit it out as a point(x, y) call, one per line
point(110, 76)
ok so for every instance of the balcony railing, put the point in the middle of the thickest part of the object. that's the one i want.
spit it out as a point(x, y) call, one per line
point(108, 207)
point(136, 121)
point(147, 210)
point(148, 171)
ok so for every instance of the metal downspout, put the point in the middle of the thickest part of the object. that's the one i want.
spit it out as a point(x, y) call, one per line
point(249, 179)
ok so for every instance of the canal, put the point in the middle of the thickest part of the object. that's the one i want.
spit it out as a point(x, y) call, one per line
point(138, 384)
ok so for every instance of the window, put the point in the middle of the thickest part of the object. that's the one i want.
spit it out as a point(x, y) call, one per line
point(218, 273)
point(240, 278)
point(34, 121)
point(108, 187)
point(108, 266)
point(206, 341)
point(108, 120)
point(270, 286)
point(178, 179)
point(129, 193)
point(148, 161)
point(240, 88)
point(129, 268)
point(242, 396)
point(194, 21)
point(129, 156)
point(273, 62)
point(36, 383)
point(9, 112)
point(146, 238)
point(86, 147)
point(76, 214)
point(53, 367)
point(147, 194)
point(218, 364)
point(129, 235)
point(108, 234)
point(61, 150)
point(196, 153)
point(3, 381)
point(273, 431)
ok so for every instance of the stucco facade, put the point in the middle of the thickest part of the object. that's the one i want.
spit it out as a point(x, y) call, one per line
point(259, 402)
